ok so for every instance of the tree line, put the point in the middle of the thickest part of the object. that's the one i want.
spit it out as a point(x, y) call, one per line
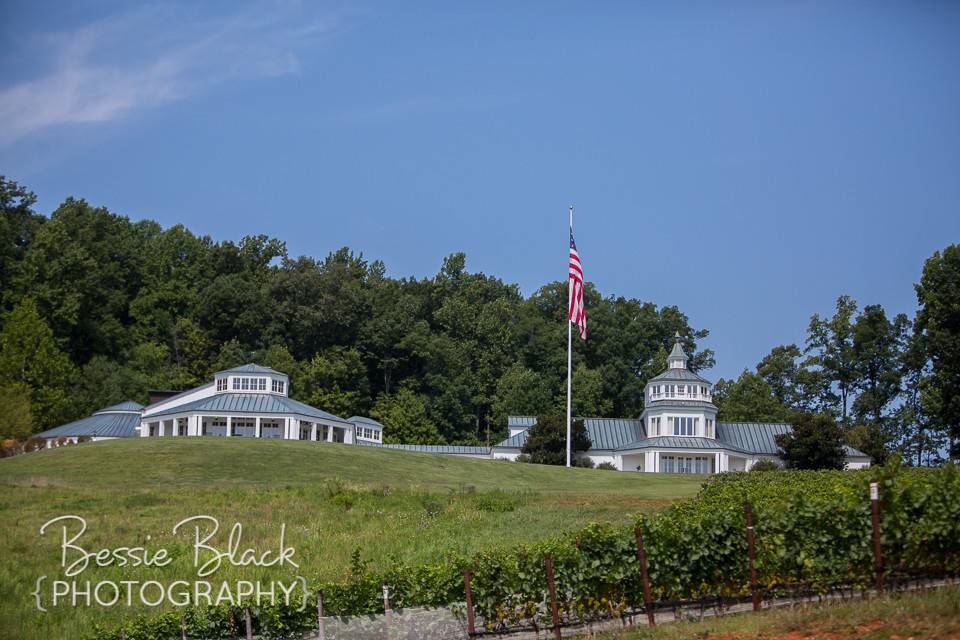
point(97, 309)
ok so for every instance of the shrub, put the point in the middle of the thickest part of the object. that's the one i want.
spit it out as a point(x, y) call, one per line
point(10, 447)
point(84, 439)
point(607, 466)
point(35, 444)
point(766, 465)
point(583, 463)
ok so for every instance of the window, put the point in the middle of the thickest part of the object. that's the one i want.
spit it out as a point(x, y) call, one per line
point(222, 384)
point(244, 384)
point(236, 384)
point(683, 464)
point(684, 426)
point(153, 429)
point(263, 384)
point(709, 428)
point(182, 427)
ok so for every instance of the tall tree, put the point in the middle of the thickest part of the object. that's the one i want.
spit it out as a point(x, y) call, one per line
point(547, 440)
point(830, 343)
point(520, 391)
point(878, 344)
point(816, 442)
point(18, 226)
point(917, 441)
point(81, 270)
point(30, 359)
point(939, 321)
point(16, 422)
point(404, 418)
point(335, 381)
point(748, 399)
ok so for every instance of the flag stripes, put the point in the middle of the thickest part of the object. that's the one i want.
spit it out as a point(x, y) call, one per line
point(578, 313)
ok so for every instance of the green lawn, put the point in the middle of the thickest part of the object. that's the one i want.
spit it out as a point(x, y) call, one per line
point(334, 500)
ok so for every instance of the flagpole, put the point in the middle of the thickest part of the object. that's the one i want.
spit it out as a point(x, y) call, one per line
point(569, 348)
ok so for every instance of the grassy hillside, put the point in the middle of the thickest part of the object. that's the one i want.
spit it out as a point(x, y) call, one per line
point(335, 500)
point(149, 463)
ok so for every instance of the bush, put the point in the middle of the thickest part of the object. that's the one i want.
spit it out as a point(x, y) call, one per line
point(10, 447)
point(35, 444)
point(607, 466)
point(583, 463)
point(84, 439)
point(766, 465)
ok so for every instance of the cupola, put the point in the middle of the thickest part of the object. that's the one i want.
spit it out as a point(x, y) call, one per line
point(677, 358)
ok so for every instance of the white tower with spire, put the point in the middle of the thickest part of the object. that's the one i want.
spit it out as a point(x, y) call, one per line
point(678, 402)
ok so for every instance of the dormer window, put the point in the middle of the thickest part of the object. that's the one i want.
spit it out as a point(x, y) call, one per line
point(277, 386)
point(221, 384)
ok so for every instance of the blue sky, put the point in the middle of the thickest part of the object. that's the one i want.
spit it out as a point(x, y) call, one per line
point(748, 162)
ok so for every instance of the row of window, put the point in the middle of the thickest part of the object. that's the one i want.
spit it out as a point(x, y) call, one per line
point(368, 433)
point(679, 426)
point(251, 384)
point(681, 464)
point(679, 390)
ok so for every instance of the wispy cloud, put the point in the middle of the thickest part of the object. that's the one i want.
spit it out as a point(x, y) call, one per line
point(149, 57)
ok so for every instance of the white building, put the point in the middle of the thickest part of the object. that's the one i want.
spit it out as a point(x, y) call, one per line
point(678, 431)
point(247, 402)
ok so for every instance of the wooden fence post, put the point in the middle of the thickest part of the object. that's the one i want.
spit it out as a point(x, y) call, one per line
point(752, 555)
point(471, 625)
point(554, 611)
point(387, 611)
point(321, 625)
point(877, 551)
point(642, 558)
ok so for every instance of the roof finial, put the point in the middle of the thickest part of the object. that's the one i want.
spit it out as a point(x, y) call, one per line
point(676, 336)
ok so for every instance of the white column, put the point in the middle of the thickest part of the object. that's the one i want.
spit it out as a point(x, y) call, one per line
point(656, 462)
point(716, 462)
point(229, 426)
point(329, 433)
point(256, 431)
point(313, 430)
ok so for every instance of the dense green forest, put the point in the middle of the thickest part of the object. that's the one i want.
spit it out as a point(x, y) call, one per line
point(97, 309)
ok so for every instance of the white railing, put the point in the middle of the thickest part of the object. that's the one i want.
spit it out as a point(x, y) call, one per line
point(681, 396)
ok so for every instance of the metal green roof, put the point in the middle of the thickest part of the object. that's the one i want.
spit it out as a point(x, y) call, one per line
point(605, 433)
point(684, 375)
point(126, 407)
point(755, 437)
point(681, 442)
point(673, 402)
point(262, 403)
point(431, 448)
point(366, 421)
point(252, 368)
point(116, 421)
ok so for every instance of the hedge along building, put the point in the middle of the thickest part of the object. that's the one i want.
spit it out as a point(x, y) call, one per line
point(250, 402)
point(678, 431)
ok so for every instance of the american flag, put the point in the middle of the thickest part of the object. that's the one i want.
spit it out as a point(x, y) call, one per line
point(578, 314)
